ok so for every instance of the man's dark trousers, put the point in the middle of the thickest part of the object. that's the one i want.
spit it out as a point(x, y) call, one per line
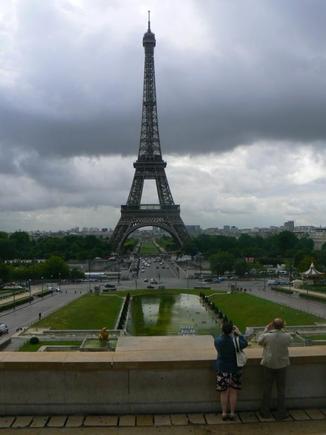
point(269, 377)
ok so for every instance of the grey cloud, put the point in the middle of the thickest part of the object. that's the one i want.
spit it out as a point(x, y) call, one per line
point(261, 76)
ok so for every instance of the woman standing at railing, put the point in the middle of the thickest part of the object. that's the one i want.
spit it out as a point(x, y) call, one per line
point(228, 376)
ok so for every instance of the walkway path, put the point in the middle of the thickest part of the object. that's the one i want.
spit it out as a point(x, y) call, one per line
point(307, 292)
point(293, 301)
point(309, 421)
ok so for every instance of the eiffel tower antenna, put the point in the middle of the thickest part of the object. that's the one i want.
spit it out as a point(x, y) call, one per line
point(149, 21)
point(149, 166)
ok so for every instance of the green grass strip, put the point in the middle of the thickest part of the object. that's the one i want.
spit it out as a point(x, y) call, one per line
point(248, 310)
point(28, 347)
point(87, 312)
point(148, 248)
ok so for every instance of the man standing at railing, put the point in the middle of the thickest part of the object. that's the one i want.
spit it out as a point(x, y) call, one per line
point(275, 362)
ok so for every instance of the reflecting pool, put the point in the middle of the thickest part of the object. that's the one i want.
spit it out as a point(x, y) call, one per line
point(170, 314)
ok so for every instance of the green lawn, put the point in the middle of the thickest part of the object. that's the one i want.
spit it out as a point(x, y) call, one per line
point(247, 310)
point(95, 312)
point(28, 347)
point(87, 312)
point(148, 248)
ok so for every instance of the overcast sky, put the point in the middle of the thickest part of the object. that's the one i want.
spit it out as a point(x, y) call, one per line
point(241, 88)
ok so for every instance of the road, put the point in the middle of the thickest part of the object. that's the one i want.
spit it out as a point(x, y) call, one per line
point(25, 315)
point(169, 275)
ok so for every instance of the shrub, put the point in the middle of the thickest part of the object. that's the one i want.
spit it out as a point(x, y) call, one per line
point(34, 340)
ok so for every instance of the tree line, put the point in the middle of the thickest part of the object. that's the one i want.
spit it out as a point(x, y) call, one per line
point(54, 251)
point(241, 254)
point(19, 245)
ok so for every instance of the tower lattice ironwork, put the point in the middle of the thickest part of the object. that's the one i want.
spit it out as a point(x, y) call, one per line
point(149, 166)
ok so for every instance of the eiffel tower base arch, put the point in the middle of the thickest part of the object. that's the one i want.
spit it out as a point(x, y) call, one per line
point(133, 217)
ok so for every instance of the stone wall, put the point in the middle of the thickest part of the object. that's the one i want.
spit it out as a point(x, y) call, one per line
point(145, 375)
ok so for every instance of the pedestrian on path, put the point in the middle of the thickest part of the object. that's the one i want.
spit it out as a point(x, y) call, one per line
point(275, 362)
point(39, 316)
point(228, 376)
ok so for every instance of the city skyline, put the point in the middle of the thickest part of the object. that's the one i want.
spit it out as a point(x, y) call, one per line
point(241, 97)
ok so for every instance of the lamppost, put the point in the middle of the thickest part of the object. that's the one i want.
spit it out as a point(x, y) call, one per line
point(118, 270)
point(42, 278)
point(89, 276)
point(30, 289)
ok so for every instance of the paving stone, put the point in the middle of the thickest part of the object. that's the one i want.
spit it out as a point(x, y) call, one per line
point(196, 419)
point(179, 419)
point(6, 422)
point(39, 421)
point(22, 421)
point(101, 420)
point(288, 418)
point(265, 419)
point(162, 420)
point(315, 414)
point(236, 420)
point(144, 420)
point(57, 421)
point(299, 415)
point(214, 418)
point(127, 420)
point(75, 421)
point(248, 417)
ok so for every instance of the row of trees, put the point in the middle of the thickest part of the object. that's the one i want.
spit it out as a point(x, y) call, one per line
point(55, 268)
point(21, 245)
point(229, 253)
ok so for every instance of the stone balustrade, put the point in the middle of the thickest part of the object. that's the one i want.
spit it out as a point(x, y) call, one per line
point(145, 375)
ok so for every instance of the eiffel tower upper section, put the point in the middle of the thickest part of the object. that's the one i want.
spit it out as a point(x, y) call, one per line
point(149, 166)
point(149, 147)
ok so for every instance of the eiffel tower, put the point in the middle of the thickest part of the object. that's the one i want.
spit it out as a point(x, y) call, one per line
point(149, 166)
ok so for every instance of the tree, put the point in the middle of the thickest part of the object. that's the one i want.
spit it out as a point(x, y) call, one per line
point(4, 273)
point(240, 267)
point(305, 263)
point(221, 262)
point(55, 267)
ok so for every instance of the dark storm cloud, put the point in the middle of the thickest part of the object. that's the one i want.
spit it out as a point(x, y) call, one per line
point(259, 74)
point(243, 76)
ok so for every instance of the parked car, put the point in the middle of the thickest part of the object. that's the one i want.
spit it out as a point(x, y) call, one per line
point(3, 329)
point(150, 286)
point(110, 286)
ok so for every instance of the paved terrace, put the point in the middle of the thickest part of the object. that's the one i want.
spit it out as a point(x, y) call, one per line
point(151, 385)
point(303, 421)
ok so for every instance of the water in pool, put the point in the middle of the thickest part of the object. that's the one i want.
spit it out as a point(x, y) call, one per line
point(170, 314)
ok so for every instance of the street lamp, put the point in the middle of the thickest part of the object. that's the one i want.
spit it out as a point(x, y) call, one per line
point(118, 270)
point(30, 289)
point(89, 276)
point(42, 278)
